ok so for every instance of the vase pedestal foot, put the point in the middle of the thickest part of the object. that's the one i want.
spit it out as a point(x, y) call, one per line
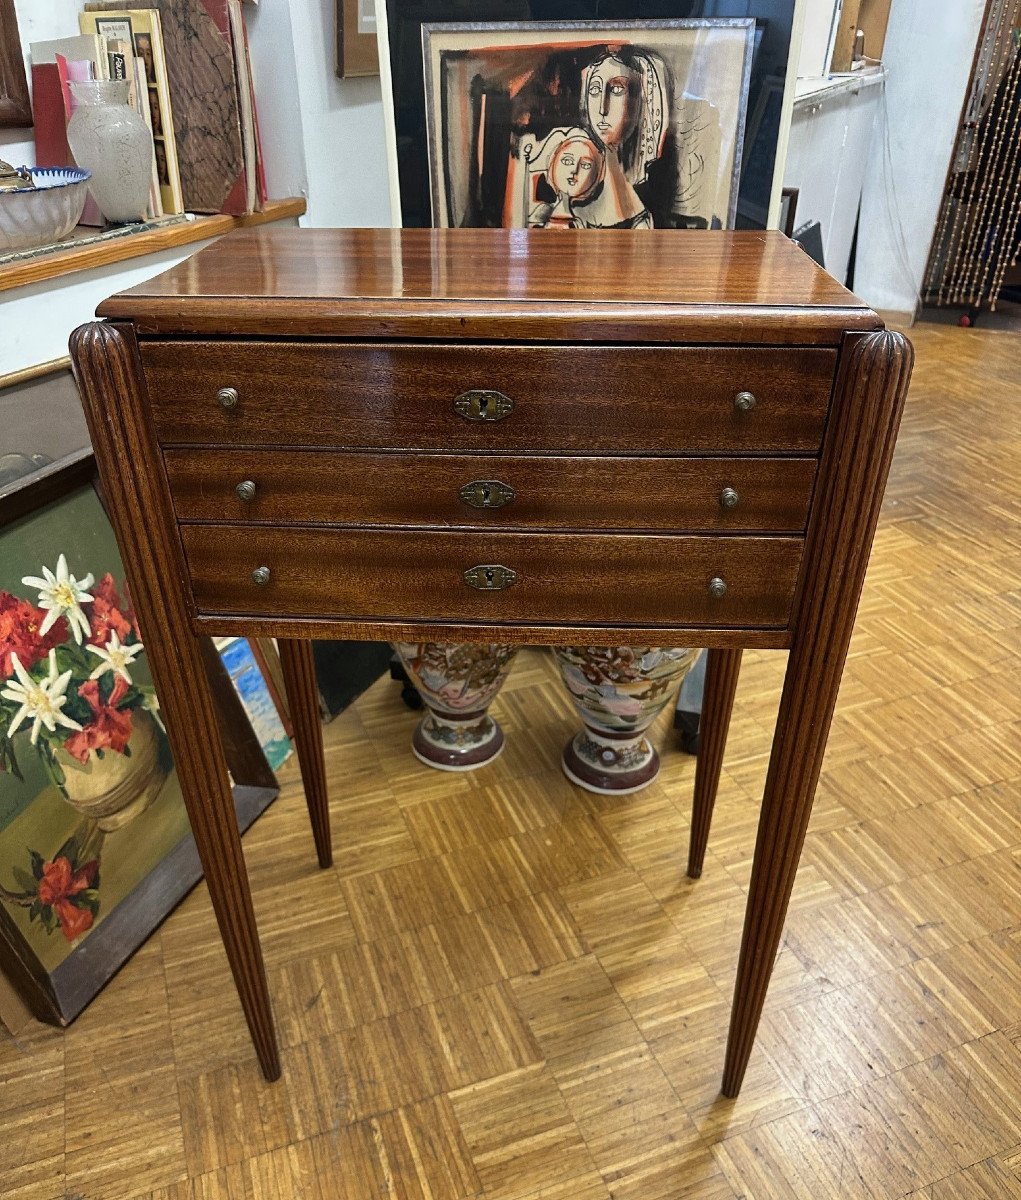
point(610, 764)
point(462, 743)
point(457, 682)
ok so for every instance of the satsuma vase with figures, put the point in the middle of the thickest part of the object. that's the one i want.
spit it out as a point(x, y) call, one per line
point(457, 681)
point(618, 692)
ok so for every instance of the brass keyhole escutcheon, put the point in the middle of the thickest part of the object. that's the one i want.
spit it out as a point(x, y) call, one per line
point(490, 577)
point(487, 493)
point(483, 404)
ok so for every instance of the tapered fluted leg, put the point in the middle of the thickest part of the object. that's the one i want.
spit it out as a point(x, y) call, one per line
point(868, 400)
point(303, 700)
point(113, 395)
point(721, 672)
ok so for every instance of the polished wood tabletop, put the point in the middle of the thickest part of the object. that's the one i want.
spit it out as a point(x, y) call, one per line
point(466, 283)
point(695, 429)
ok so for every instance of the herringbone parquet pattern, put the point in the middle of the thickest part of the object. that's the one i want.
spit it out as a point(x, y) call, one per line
point(508, 989)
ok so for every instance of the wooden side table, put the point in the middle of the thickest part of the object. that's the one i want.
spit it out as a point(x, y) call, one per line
point(694, 429)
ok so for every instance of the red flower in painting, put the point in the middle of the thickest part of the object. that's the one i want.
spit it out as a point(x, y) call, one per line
point(108, 612)
point(19, 633)
point(58, 887)
point(74, 921)
point(111, 728)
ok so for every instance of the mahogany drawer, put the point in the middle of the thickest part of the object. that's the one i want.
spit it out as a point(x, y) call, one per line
point(565, 398)
point(573, 579)
point(491, 491)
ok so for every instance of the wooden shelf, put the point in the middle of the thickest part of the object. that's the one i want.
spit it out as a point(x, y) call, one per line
point(68, 258)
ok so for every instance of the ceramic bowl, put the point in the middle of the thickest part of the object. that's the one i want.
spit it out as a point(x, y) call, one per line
point(31, 217)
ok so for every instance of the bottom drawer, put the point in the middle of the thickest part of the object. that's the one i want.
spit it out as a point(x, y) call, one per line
point(569, 579)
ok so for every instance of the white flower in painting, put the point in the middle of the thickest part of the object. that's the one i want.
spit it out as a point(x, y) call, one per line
point(40, 702)
point(115, 657)
point(64, 596)
point(151, 704)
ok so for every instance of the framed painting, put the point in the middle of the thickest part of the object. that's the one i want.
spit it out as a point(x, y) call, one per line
point(246, 665)
point(403, 85)
point(758, 160)
point(789, 210)
point(604, 124)
point(15, 102)
point(356, 38)
point(95, 845)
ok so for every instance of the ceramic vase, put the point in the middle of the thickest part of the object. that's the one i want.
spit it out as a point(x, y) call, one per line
point(457, 682)
point(110, 139)
point(114, 788)
point(618, 692)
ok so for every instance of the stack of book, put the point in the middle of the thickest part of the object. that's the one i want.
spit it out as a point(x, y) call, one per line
point(190, 77)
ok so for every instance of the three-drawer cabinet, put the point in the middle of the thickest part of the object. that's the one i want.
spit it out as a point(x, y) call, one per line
point(663, 438)
point(655, 486)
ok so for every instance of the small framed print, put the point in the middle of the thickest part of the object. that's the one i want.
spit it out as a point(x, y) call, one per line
point(15, 103)
point(356, 38)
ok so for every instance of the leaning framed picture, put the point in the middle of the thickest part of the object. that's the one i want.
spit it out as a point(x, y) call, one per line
point(598, 124)
point(95, 844)
point(356, 38)
point(415, 123)
point(15, 102)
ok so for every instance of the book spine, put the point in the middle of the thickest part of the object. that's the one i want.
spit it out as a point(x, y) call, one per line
point(48, 116)
point(142, 98)
point(163, 122)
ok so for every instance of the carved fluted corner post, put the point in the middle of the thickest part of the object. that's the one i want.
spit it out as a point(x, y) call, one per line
point(105, 361)
point(302, 697)
point(872, 382)
point(721, 672)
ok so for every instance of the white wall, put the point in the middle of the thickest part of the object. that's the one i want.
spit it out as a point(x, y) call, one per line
point(37, 22)
point(831, 140)
point(271, 43)
point(929, 49)
point(815, 38)
point(341, 125)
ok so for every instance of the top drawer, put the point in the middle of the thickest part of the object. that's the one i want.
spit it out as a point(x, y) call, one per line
point(561, 398)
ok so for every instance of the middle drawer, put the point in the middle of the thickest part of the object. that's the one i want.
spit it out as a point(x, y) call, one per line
point(491, 491)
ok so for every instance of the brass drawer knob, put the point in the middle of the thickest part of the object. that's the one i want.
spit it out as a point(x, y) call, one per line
point(245, 490)
point(745, 401)
point(717, 588)
point(483, 404)
point(227, 398)
point(487, 493)
point(490, 577)
point(260, 576)
point(729, 498)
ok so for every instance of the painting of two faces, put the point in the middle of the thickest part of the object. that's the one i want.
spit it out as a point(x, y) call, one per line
point(578, 126)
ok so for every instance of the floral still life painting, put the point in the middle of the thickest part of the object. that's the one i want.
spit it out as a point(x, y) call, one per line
point(587, 125)
point(89, 799)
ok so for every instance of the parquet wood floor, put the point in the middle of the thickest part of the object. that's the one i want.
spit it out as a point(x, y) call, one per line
point(508, 989)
